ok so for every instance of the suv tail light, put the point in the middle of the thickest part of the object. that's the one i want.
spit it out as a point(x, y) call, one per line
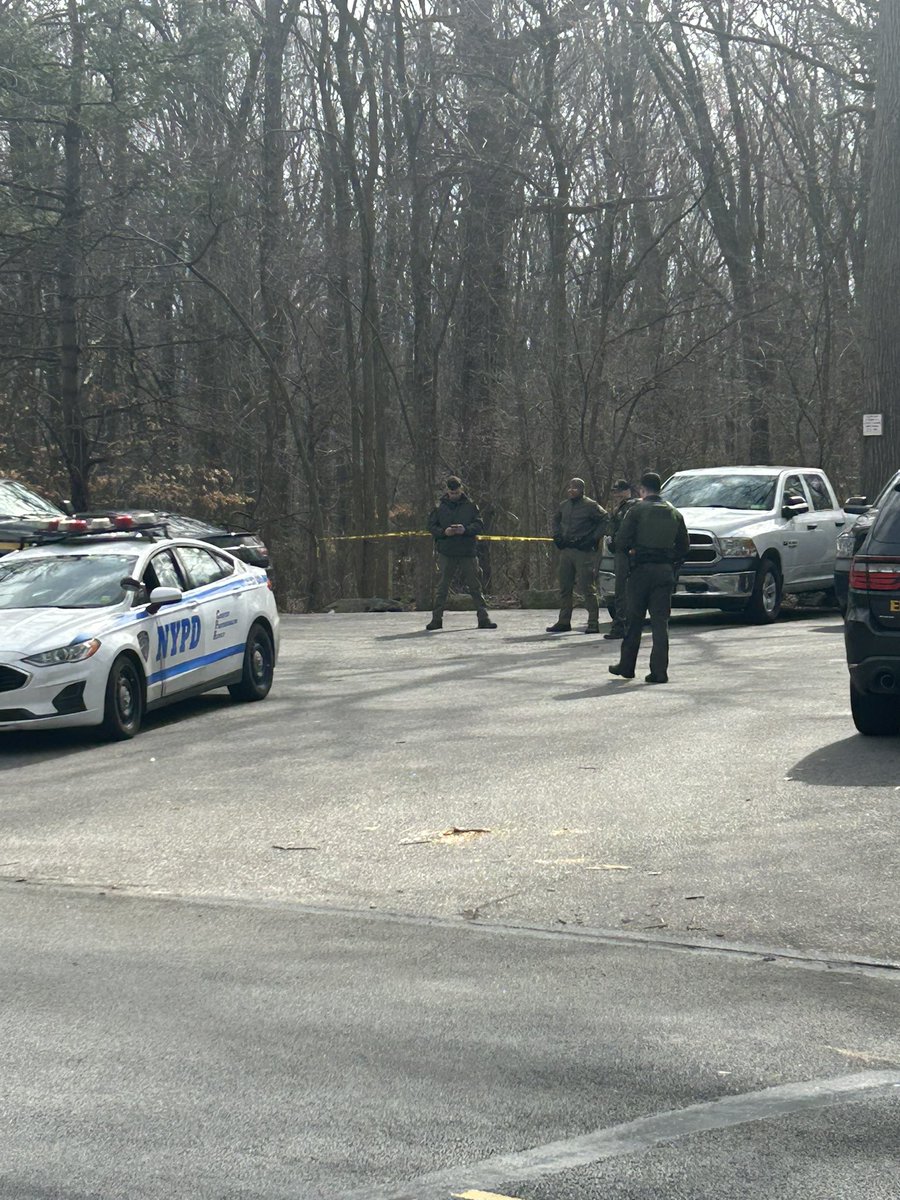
point(875, 574)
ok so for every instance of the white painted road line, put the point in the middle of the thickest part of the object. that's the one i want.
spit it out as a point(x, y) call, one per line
point(634, 1137)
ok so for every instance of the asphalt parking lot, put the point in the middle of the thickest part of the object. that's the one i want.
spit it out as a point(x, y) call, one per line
point(444, 901)
point(742, 785)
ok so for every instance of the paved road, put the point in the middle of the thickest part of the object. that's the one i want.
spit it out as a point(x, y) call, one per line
point(155, 1049)
point(186, 1010)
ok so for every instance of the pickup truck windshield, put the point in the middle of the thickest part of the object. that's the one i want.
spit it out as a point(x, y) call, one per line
point(16, 501)
point(753, 492)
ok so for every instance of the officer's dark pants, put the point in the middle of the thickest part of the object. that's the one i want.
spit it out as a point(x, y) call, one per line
point(578, 566)
point(468, 572)
point(650, 587)
point(620, 601)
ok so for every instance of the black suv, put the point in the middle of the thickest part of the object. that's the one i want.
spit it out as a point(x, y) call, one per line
point(22, 511)
point(851, 539)
point(872, 630)
point(243, 544)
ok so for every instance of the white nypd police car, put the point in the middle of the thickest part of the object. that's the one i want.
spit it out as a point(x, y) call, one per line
point(101, 622)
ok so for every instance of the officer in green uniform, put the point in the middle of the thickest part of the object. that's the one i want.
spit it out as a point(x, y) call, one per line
point(623, 498)
point(578, 526)
point(655, 538)
point(455, 525)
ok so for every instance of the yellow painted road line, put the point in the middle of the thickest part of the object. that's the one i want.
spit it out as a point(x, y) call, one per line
point(481, 1196)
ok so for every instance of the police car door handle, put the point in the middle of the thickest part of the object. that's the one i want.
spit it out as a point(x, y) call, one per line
point(812, 526)
point(840, 524)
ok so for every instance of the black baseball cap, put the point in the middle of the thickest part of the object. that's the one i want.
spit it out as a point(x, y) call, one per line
point(621, 485)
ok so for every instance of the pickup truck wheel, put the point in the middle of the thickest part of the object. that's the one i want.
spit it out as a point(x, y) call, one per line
point(765, 599)
point(874, 716)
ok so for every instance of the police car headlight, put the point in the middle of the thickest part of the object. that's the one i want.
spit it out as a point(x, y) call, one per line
point(64, 654)
point(737, 547)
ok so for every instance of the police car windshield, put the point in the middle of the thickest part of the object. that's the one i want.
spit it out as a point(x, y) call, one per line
point(64, 580)
point(744, 492)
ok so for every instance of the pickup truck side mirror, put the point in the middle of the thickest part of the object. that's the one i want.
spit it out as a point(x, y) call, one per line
point(794, 508)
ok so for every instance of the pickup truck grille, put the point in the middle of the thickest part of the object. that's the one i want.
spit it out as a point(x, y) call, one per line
point(703, 548)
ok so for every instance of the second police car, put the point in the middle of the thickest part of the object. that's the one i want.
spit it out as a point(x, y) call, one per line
point(103, 621)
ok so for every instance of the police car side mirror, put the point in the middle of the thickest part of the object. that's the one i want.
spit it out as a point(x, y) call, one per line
point(163, 595)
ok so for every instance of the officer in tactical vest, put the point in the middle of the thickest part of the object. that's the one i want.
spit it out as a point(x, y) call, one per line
point(455, 525)
point(578, 526)
point(623, 498)
point(655, 538)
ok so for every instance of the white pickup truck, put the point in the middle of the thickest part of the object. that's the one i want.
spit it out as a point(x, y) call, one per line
point(756, 534)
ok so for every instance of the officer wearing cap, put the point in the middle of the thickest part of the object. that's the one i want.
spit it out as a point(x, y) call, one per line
point(655, 538)
point(455, 524)
point(578, 526)
point(623, 498)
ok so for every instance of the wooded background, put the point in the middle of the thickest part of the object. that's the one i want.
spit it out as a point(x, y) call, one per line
point(302, 259)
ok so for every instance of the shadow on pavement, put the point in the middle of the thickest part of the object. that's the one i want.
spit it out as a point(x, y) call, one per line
point(27, 747)
point(413, 633)
point(852, 762)
point(32, 747)
point(607, 689)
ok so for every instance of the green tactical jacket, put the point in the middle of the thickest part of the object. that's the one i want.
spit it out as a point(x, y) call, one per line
point(654, 531)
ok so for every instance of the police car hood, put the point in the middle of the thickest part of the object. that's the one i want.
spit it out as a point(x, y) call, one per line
point(727, 522)
point(30, 630)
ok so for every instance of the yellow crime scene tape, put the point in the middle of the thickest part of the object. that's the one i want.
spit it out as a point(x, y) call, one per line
point(482, 537)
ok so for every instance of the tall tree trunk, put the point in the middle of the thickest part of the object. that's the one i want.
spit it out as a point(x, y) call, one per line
point(74, 435)
point(881, 357)
point(363, 174)
point(483, 325)
point(273, 493)
point(423, 389)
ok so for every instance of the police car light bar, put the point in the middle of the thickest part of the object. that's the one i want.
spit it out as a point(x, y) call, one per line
point(58, 529)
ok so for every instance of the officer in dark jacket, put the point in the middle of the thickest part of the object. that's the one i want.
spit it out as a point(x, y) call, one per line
point(655, 538)
point(578, 526)
point(623, 498)
point(455, 525)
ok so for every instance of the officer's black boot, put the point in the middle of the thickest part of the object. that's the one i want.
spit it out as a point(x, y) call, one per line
point(484, 621)
point(435, 623)
point(618, 669)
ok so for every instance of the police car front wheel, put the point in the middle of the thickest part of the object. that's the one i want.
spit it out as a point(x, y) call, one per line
point(259, 666)
point(124, 706)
